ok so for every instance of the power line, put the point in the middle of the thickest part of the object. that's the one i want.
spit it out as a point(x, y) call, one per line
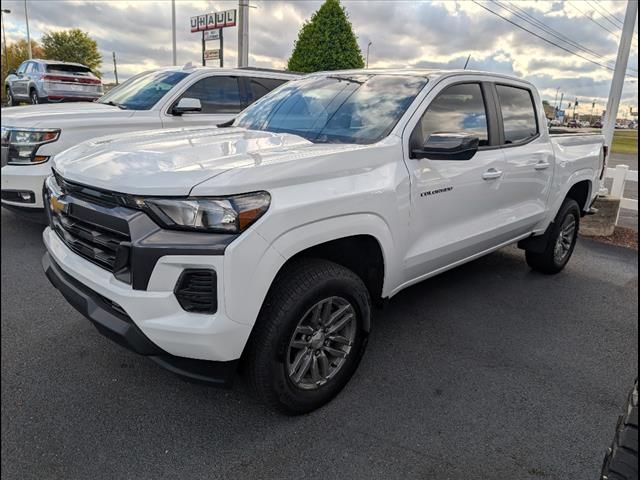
point(604, 14)
point(538, 24)
point(546, 39)
point(590, 17)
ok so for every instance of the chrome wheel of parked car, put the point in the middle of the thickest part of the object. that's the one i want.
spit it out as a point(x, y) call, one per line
point(34, 97)
point(321, 343)
point(10, 100)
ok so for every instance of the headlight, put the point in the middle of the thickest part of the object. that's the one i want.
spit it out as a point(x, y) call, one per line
point(23, 144)
point(232, 214)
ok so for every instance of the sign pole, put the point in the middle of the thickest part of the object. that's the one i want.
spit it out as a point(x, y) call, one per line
point(221, 49)
point(203, 62)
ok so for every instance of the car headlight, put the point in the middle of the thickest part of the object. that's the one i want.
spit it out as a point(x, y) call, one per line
point(232, 214)
point(23, 144)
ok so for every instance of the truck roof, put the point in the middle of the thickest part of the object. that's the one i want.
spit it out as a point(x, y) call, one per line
point(422, 72)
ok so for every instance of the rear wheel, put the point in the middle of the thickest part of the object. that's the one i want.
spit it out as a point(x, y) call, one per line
point(309, 336)
point(35, 98)
point(561, 242)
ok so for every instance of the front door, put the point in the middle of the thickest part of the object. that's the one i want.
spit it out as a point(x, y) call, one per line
point(221, 101)
point(457, 206)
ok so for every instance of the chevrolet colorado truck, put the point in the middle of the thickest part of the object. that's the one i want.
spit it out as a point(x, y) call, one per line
point(163, 98)
point(267, 240)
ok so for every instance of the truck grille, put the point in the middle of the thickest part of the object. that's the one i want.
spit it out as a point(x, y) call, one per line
point(93, 229)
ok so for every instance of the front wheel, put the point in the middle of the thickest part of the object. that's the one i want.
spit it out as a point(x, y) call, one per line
point(561, 243)
point(309, 337)
point(11, 101)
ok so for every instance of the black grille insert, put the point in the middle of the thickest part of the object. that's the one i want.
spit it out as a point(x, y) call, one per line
point(196, 291)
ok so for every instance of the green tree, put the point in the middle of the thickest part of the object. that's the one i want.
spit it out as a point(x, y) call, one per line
point(72, 45)
point(326, 42)
point(17, 52)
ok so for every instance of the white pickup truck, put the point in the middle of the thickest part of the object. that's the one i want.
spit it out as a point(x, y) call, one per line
point(164, 98)
point(268, 240)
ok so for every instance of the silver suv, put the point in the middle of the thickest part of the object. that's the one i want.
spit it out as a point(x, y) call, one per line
point(42, 81)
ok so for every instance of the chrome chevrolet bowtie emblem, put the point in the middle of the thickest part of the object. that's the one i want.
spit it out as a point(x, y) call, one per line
point(57, 204)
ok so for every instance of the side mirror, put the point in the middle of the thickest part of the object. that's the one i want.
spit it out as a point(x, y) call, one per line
point(186, 105)
point(448, 146)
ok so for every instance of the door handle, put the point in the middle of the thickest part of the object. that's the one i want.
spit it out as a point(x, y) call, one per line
point(542, 165)
point(492, 174)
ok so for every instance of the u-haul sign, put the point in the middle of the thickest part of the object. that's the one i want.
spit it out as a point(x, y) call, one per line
point(212, 21)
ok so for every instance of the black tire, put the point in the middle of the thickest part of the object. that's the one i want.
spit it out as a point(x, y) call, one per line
point(547, 261)
point(299, 287)
point(34, 98)
point(11, 101)
point(621, 461)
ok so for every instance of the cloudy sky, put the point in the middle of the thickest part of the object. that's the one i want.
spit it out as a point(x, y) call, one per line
point(436, 34)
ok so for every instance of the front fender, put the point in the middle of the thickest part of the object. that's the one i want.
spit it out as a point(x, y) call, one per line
point(252, 263)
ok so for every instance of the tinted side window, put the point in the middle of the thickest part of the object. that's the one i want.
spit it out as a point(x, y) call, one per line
point(22, 67)
point(217, 94)
point(457, 109)
point(518, 113)
point(261, 86)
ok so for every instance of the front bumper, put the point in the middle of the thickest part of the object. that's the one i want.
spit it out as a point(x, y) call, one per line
point(27, 178)
point(114, 323)
point(156, 311)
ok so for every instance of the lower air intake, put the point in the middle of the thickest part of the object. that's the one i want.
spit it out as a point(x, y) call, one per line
point(196, 291)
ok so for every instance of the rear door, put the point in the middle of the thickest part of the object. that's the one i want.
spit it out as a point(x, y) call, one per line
point(258, 87)
point(457, 206)
point(529, 156)
point(221, 96)
point(19, 85)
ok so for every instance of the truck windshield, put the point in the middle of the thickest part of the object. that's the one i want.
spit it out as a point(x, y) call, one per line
point(143, 91)
point(357, 108)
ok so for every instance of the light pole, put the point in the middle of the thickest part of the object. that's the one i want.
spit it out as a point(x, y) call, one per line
point(368, 47)
point(4, 38)
point(555, 102)
point(173, 34)
point(26, 18)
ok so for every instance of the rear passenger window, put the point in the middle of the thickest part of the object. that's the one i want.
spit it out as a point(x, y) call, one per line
point(216, 94)
point(457, 109)
point(518, 114)
point(261, 86)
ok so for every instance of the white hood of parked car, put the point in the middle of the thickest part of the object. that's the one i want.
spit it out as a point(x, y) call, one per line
point(174, 161)
point(57, 115)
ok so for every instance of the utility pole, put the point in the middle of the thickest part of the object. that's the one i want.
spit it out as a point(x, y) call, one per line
point(555, 101)
point(618, 75)
point(4, 38)
point(115, 67)
point(368, 47)
point(26, 18)
point(173, 31)
point(243, 33)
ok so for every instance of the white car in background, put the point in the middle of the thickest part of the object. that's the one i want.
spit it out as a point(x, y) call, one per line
point(165, 98)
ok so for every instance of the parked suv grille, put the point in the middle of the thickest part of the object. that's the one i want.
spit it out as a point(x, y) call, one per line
point(93, 231)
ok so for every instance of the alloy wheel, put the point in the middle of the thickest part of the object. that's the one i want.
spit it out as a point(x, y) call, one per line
point(565, 239)
point(321, 343)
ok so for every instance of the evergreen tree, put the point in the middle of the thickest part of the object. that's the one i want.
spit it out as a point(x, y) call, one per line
point(326, 42)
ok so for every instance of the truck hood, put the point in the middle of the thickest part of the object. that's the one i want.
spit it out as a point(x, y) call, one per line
point(50, 115)
point(172, 162)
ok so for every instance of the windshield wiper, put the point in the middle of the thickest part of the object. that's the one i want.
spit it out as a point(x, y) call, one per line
point(346, 79)
point(114, 104)
point(226, 124)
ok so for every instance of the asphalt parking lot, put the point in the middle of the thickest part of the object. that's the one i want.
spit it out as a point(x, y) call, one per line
point(488, 371)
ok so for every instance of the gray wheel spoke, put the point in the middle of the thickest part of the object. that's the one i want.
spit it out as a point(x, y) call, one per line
point(299, 343)
point(305, 330)
point(316, 376)
point(340, 339)
point(335, 352)
point(326, 311)
point(337, 326)
point(297, 361)
point(336, 315)
point(323, 363)
point(304, 367)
